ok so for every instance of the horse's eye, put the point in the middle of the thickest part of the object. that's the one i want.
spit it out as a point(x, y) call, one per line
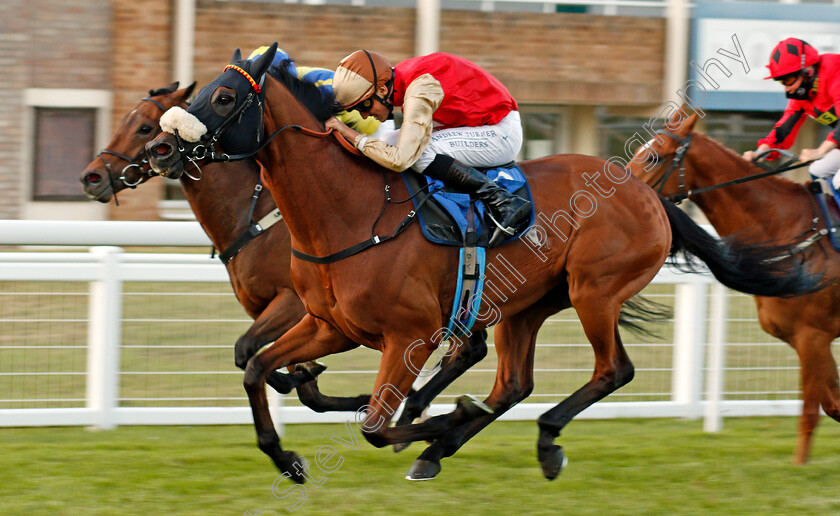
point(223, 101)
point(144, 130)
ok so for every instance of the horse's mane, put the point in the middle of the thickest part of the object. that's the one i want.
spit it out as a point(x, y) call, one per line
point(781, 181)
point(308, 94)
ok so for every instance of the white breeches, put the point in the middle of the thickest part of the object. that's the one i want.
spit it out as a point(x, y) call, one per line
point(484, 146)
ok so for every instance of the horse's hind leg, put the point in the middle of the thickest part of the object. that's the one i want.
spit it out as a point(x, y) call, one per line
point(464, 356)
point(515, 340)
point(613, 369)
point(818, 376)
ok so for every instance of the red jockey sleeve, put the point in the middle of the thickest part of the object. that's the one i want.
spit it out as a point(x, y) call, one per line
point(834, 93)
point(784, 132)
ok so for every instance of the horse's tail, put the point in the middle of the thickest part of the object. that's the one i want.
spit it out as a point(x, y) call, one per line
point(639, 310)
point(750, 268)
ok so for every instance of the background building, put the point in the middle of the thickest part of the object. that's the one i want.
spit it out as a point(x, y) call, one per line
point(587, 75)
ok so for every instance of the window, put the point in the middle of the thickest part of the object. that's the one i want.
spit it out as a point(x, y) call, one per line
point(64, 128)
point(64, 145)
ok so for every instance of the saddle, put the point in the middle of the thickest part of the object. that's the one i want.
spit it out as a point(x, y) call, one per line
point(829, 200)
point(445, 217)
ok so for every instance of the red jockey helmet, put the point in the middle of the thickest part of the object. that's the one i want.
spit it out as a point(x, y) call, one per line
point(790, 56)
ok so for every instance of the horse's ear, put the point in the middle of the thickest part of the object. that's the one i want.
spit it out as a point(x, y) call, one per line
point(679, 115)
point(237, 56)
point(688, 125)
point(189, 89)
point(167, 90)
point(184, 94)
point(261, 64)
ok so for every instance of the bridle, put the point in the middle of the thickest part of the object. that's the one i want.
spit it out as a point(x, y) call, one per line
point(205, 147)
point(683, 194)
point(677, 161)
point(138, 161)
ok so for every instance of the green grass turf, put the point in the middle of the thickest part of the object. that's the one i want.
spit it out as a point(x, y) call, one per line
point(616, 467)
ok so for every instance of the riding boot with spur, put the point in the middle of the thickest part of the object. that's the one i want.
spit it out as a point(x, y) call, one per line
point(505, 209)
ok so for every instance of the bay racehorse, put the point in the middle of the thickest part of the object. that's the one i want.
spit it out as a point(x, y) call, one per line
point(769, 209)
point(225, 198)
point(603, 236)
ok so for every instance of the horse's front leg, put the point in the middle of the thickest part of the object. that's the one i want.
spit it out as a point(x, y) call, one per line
point(279, 316)
point(310, 339)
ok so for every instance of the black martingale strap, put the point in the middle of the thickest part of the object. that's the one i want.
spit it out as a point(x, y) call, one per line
point(254, 230)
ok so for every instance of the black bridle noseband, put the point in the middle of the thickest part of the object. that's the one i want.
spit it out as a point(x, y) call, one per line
point(138, 161)
point(677, 161)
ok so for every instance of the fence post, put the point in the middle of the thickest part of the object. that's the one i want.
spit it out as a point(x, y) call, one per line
point(275, 407)
point(689, 337)
point(713, 420)
point(104, 334)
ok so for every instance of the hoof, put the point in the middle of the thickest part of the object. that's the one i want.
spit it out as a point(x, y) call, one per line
point(280, 382)
point(313, 368)
point(552, 461)
point(423, 470)
point(400, 447)
point(473, 407)
point(290, 464)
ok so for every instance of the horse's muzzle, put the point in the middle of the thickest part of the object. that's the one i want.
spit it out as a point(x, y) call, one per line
point(164, 157)
point(96, 186)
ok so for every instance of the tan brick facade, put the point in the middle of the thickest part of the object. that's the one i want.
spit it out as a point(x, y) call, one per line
point(125, 46)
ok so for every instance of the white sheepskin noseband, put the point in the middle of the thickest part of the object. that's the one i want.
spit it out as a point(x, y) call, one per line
point(189, 127)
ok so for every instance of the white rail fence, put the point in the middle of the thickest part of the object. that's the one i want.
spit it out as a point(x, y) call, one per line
point(126, 362)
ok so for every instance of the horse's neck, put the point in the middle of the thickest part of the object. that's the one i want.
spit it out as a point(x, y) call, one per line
point(221, 200)
point(329, 200)
point(769, 208)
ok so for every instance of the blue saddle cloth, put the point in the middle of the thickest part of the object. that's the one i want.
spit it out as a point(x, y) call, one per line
point(444, 218)
point(830, 204)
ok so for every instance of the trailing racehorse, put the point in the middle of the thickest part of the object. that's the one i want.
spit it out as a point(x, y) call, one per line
point(226, 200)
point(770, 209)
point(601, 239)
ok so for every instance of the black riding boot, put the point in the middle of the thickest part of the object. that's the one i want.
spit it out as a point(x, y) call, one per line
point(505, 209)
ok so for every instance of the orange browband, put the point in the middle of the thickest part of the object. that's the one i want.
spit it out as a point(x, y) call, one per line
point(247, 76)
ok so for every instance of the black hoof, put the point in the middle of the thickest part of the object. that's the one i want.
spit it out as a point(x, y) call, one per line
point(423, 470)
point(289, 463)
point(400, 447)
point(552, 460)
point(280, 382)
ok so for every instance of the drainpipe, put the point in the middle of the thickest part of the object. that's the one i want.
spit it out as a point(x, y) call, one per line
point(427, 40)
point(183, 41)
point(676, 49)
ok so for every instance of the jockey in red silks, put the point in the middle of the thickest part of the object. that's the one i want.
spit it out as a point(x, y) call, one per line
point(456, 116)
point(812, 83)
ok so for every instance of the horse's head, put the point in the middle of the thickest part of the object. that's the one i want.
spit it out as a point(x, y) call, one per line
point(122, 165)
point(227, 111)
point(659, 162)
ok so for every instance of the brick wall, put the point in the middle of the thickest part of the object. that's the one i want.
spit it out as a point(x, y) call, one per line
point(14, 42)
point(543, 58)
point(125, 46)
point(140, 61)
point(44, 44)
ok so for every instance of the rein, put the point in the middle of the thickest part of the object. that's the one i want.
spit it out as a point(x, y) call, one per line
point(815, 233)
point(683, 194)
